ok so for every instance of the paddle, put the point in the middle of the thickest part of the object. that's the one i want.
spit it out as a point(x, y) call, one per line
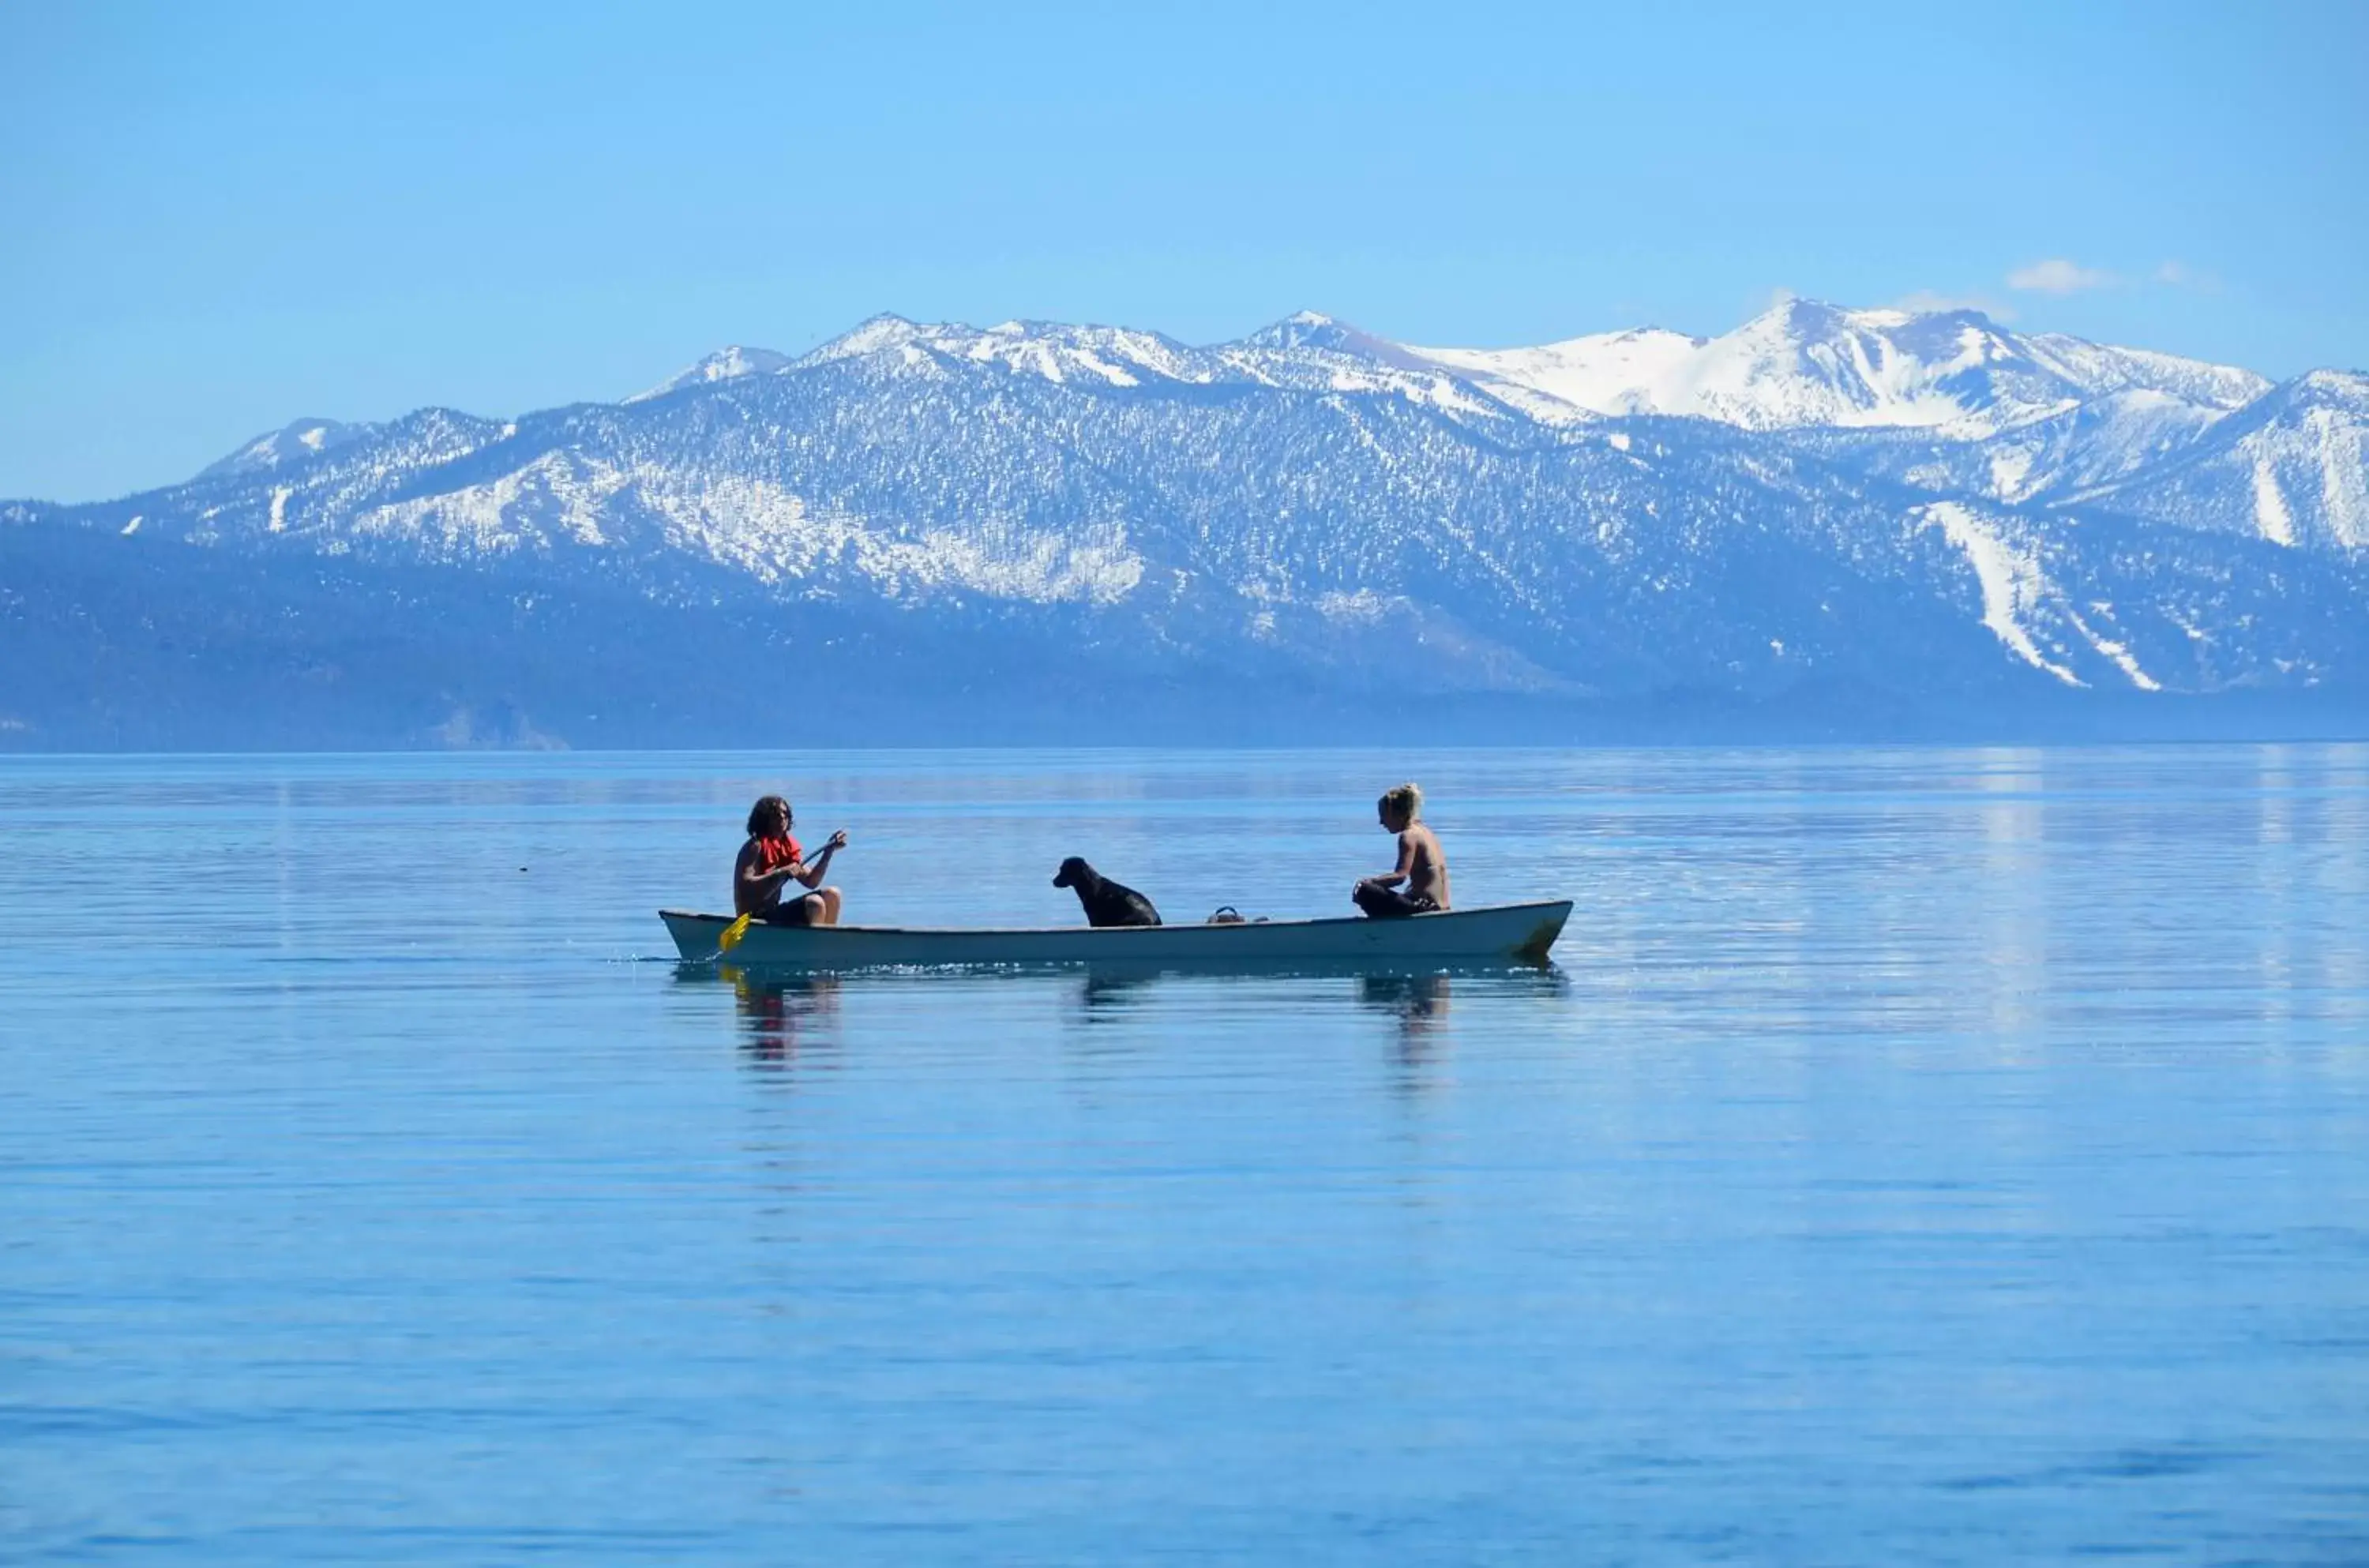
point(739, 928)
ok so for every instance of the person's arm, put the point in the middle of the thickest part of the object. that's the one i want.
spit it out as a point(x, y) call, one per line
point(755, 884)
point(810, 872)
point(1406, 864)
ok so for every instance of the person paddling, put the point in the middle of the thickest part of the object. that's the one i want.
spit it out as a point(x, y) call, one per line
point(771, 860)
point(1422, 866)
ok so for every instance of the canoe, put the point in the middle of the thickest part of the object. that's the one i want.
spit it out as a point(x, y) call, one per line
point(1501, 934)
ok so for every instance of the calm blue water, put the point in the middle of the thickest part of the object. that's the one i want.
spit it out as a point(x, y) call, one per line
point(1919, 1156)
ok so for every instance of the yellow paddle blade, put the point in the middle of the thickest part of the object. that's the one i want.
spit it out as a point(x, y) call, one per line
point(732, 934)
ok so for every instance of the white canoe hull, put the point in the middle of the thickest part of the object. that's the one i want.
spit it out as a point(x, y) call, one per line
point(1506, 934)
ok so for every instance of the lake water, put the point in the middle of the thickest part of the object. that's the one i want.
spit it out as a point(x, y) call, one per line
point(1916, 1156)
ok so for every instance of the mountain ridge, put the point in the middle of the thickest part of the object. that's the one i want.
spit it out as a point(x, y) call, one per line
point(1930, 511)
point(1833, 339)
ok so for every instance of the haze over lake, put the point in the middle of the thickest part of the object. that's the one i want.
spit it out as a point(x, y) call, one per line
point(1916, 1155)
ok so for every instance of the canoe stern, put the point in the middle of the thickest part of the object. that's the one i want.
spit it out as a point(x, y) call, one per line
point(1542, 937)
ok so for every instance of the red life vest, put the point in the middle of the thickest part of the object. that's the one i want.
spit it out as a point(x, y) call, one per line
point(774, 853)
point(764, 856)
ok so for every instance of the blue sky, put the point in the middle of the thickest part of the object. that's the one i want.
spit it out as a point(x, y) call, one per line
point(223, 218)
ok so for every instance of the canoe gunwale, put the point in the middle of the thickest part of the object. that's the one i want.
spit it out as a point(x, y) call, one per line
point(1101, 932)
point(1498, 934)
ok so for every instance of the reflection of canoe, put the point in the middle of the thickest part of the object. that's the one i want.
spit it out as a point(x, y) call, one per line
point(1501, 934)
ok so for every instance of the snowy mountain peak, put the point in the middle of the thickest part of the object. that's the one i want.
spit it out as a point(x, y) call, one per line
point(298, 442)
point(1799, 316)
point(2346, 389)
point(1301, 326)
point(1610, 373)
point(1314, 329)
point(1805, 364)
point(869, 336)
point(724, 364)
point(1112, 356)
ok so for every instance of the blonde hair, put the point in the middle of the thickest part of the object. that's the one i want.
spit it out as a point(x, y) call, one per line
point(1405, 802)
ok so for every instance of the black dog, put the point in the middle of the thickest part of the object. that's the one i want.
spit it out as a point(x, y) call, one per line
point(1106, 902)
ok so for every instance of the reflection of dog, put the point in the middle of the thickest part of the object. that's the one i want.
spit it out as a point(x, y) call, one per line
point(1106, 902)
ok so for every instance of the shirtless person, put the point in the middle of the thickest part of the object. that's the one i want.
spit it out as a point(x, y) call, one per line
point(770, 860)
point(1423, 867)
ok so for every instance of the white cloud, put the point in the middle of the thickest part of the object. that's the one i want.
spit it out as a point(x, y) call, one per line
point(2058, 276)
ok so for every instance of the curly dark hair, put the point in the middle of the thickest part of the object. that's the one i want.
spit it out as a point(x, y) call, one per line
point(759, 813)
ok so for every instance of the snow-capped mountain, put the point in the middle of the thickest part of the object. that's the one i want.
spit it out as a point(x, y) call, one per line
point(2291, 467)
point(1823, 509)
point(1944, 401)
point(724, 364)
point(1803, 363)
point(1307, 353)
point(295, 442)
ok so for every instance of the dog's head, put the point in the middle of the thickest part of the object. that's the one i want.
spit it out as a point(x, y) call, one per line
point(1075, 872)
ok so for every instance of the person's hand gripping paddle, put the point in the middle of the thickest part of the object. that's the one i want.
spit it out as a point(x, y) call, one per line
point(740, 927)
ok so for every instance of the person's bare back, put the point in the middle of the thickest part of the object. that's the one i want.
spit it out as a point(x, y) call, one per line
point(1418, 884)
point(1425, 863)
